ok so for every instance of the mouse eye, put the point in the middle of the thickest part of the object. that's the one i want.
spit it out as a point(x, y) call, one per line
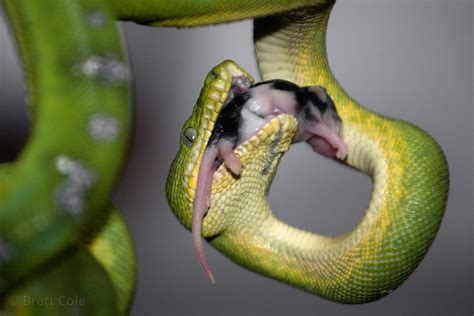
point(189, 136)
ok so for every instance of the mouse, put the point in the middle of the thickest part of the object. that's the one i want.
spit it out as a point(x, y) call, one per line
point(243, 116)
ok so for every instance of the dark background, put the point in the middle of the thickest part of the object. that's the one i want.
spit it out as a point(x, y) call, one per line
point(412, 60)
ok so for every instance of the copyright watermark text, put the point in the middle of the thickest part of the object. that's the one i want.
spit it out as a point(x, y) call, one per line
point(62, 300)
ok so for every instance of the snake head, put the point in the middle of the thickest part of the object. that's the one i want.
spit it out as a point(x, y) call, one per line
point(220, 86)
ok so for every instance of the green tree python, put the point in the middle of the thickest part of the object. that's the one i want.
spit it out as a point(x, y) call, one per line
point(59, 234)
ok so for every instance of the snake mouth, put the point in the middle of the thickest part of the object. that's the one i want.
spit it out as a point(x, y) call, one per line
point(237, 123)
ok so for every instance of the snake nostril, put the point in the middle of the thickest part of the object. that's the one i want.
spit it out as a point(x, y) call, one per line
point(213, 75)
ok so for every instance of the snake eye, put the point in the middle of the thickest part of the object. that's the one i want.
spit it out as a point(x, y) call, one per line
point(189, 136)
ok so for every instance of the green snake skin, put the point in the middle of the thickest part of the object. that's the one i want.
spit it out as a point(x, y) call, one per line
point(59, 234)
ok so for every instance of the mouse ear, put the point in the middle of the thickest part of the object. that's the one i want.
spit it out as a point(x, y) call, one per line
point(320, 92)
point(325, 98)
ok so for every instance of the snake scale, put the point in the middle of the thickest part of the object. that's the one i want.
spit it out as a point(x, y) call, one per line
point(59, 234)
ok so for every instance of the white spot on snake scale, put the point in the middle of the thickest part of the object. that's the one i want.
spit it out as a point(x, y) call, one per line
point(96, 18)
point(70, 194)
point(106, 68)
point(103, 127)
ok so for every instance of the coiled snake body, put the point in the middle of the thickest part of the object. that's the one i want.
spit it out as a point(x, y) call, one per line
point(60, 236)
